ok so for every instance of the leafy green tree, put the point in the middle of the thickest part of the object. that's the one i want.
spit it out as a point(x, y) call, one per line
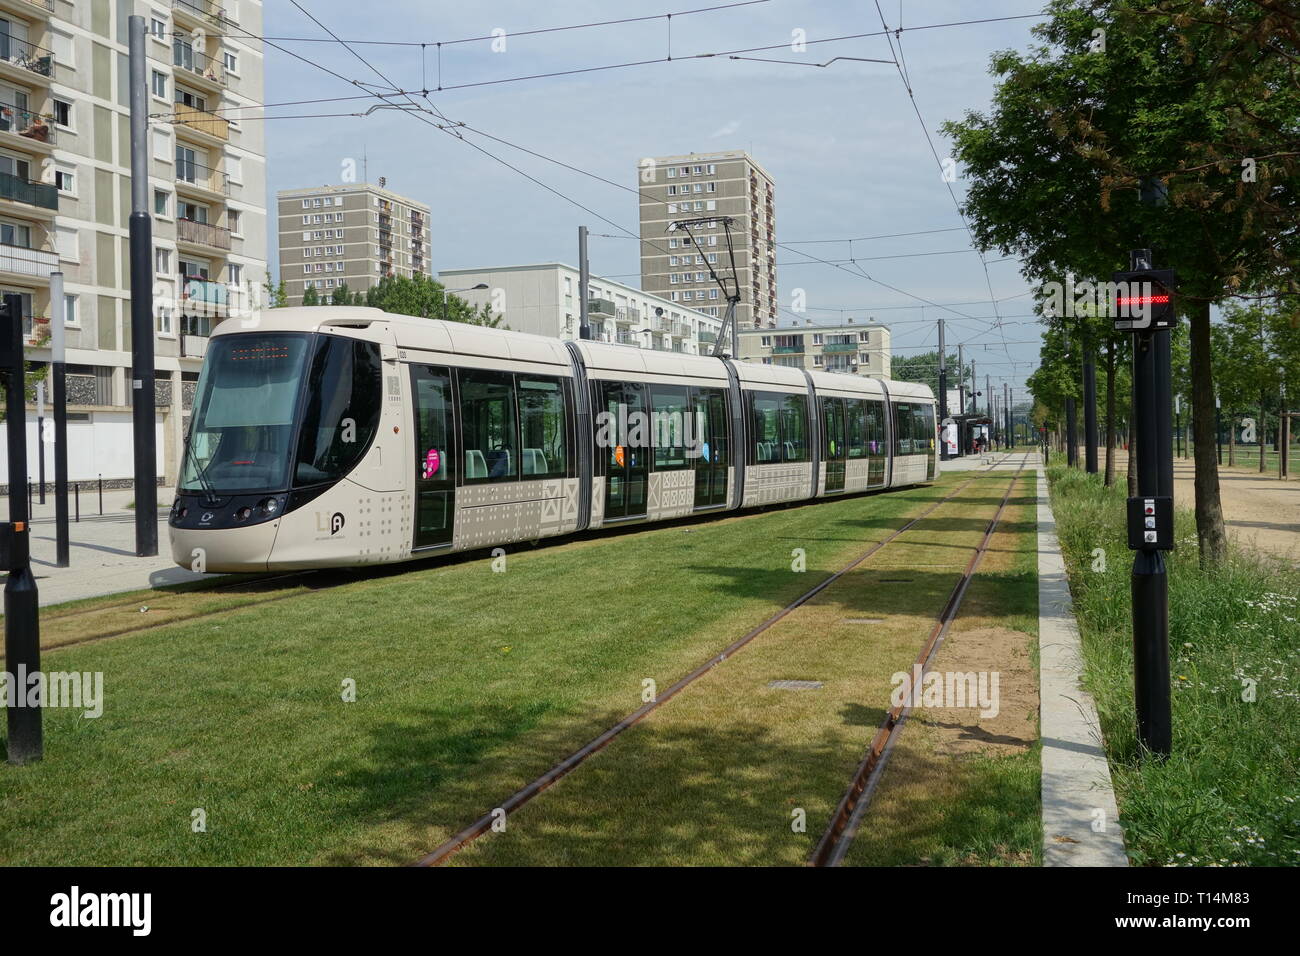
point(1196, 101)
point(277, 295)
point(924, 369)
point(311, 296)
point(427, 298)
point(341, 295)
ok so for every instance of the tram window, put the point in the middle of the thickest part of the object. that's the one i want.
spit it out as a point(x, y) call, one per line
point(765, 409)
point(904, 430)
point(855, 421)
point(794, 427)
point(489, 426)
point(544, 427)
point(341, 416)
point(923, 418)
point(875, 428)
point(669, 409)
point(433, 424)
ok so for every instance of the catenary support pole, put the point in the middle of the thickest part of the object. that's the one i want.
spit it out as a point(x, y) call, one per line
point(584, 283)
point(143, 413)
point(59, 375)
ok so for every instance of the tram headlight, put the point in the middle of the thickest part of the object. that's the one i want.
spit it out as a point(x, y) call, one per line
point(270, 506)
point(244, 513)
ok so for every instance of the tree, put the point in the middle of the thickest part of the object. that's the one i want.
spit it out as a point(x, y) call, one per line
point(924, 369)
point(311, 296)
point(427, 298)
point(341, 295)
point(277, 296)
point(1194, 100)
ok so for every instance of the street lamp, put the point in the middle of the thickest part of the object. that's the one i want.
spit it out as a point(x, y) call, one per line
point(445, 290)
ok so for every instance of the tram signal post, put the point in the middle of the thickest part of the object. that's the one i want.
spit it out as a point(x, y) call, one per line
point(1145, 308)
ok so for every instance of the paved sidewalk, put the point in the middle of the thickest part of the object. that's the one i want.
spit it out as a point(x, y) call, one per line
point(1080, 815)
point(101, 549)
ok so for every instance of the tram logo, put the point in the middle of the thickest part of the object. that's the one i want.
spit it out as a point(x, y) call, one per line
point(333, 526)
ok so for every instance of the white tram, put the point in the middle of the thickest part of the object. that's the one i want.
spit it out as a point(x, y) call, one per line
point(328, 437)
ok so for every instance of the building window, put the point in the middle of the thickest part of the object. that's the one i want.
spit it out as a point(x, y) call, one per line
point(164, 320)
point(159, 84)
point(161, 203)
point(234, 219)
point(65, 181)
point(162, 261)
point(157, 29)
point(230, 61)
point(62, 113)
point(235, 274)
point(70, 309)
point(672, 172)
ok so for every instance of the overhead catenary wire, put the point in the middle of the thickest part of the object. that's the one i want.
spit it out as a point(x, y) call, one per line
point(455, 128)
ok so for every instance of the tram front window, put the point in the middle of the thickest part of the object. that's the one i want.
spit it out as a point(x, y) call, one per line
point(242, 433)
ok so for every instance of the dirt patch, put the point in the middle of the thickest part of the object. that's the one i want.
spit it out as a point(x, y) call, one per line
point(1014, 726)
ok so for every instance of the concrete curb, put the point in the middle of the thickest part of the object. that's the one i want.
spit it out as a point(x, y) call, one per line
point(1076, 787)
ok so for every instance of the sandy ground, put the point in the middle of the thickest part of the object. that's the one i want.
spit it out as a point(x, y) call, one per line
point(1260, 511)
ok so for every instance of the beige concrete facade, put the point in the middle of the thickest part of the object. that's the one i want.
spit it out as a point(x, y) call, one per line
point(858, 348)
point(354, 233)
point(696, 185)
point(65, 188)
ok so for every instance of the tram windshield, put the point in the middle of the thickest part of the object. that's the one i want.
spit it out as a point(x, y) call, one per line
point(241, 438)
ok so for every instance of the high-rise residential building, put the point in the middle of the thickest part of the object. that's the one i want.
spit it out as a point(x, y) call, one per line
point(855, 348)
point(543, 299)
point(701, 185)
point(65, 197)
point(353, 235)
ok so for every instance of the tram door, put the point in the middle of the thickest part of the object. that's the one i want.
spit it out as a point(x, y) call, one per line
point(709, 429)
point(627, 449)
point(435, 459)
point(835, 449)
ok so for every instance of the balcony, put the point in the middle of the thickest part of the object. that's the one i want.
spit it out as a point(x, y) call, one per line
point(39, 195)
point(24, 60)
point(35, 128)
point(203, 234)
point(199, 178)
point(21, 261)
point(201, 121)
point(198, 11)
point(200, 293)
point(787, 350)
point(193, 346)
point(36, 331)
point(601, 307)
point(29, 8)
point(840, 347)
point(198, 67)
point(707, 337)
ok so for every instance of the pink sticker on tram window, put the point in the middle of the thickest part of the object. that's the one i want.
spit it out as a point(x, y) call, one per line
point(432, 462)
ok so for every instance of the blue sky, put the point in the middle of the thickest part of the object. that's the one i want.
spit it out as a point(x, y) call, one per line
point(843, 144)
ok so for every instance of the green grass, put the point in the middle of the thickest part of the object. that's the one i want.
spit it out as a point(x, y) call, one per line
point(979, 805)
point(713, 777)
point(469, 683)
point(1230, 793)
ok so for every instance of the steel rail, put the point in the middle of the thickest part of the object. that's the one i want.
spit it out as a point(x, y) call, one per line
point(473, 831)
point(838, 836)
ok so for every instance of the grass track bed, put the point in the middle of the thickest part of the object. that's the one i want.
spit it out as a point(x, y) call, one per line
point(714, 776)
point(469, 683)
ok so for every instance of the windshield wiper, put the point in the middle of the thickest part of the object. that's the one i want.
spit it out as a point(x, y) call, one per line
point(209, 495)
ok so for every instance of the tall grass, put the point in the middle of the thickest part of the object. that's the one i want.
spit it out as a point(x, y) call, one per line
point(1230, 792)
